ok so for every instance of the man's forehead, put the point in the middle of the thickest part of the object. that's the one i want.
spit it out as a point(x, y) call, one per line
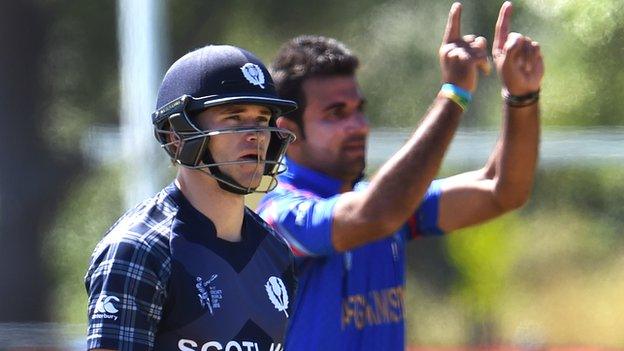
point(331, 89)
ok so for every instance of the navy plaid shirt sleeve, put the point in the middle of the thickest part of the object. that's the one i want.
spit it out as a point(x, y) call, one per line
point(126, 284)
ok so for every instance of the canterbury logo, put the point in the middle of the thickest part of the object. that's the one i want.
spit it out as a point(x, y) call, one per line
point(105, 304)
point(277, 294)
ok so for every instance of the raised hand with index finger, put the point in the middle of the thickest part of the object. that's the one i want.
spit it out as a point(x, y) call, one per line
point(517, 58)
point(462, 57)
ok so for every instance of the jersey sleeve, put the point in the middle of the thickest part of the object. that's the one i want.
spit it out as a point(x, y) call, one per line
point(424, 222)
point(304, 221)
point(126, 291)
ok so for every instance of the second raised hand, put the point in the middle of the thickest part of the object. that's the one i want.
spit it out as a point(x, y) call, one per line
point(518, 59)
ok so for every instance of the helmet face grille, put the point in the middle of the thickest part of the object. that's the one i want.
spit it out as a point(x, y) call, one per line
point(188, 147)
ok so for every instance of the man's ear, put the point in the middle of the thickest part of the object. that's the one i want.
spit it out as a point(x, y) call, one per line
point(287, 123)
point(173, 139)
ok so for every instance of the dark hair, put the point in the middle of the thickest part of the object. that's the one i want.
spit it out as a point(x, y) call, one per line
point(305, 57)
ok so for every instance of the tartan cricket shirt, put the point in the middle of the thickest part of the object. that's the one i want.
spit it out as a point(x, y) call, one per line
point(162, 280)
point(350, 300)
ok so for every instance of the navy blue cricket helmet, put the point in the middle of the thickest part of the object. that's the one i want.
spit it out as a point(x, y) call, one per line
point(210, 76)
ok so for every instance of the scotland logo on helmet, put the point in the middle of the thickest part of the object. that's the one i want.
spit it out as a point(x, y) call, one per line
point(253, 74)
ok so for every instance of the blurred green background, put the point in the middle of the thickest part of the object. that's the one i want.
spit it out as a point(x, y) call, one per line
point(549, 274)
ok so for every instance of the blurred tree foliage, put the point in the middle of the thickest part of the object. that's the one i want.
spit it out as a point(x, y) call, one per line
point(582, 43)
point(95, 206)
point(477, 286)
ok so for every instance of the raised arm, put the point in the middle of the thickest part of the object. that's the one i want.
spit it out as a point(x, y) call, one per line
point(398, 187)
point(505, 182)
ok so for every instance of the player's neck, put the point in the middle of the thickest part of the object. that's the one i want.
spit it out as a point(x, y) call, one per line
point(223, 208)
point(298, 156)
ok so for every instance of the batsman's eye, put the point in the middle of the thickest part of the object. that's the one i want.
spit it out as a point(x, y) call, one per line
point(263, 120)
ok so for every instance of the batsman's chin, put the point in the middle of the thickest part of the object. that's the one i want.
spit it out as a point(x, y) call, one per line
point(249, 180)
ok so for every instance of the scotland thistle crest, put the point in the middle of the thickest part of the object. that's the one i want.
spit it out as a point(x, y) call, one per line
point(253, 74)
point(277, 294)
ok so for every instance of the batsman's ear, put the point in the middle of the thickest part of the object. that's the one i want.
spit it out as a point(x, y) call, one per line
point(287, 123)
point(173, 143)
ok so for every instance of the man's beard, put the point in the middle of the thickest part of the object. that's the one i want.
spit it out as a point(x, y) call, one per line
point(351, 168)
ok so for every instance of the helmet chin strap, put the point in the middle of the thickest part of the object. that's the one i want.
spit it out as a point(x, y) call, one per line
point(225, 181)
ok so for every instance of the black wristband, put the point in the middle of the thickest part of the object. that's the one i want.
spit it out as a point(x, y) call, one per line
point(520, 100)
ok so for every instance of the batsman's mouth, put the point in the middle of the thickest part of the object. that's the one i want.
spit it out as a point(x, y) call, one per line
point(251, 156)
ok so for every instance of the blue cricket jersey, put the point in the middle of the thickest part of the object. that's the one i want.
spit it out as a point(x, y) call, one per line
point(345, 301)
point(161, 279)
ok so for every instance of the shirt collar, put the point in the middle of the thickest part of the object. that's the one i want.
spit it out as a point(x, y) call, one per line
point(203, 230)
point(305, 178)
